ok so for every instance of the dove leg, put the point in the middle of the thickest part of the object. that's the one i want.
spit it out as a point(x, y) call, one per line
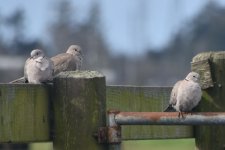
point(181, 114)
point(181, 111)
point(188, 112)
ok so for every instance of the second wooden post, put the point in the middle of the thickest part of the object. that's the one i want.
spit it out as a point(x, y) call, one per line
point(79, 105)
point(211, 67)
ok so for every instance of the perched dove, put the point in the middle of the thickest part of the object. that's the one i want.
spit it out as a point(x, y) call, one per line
point(185, 94)
point(38, 68)
point(69, 61)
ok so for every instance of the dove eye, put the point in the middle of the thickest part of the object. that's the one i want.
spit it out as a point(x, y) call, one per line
point(194, 76)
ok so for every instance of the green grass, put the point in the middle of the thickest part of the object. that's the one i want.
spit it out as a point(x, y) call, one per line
point(178, 144)
point(41, 146)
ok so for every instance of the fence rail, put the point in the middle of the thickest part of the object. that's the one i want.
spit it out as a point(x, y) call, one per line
point(171, 118)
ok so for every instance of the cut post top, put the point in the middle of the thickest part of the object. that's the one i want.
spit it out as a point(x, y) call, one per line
point(209, 55)
point(80, 74)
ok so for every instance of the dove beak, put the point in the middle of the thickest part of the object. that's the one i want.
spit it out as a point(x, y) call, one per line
point(81, 54)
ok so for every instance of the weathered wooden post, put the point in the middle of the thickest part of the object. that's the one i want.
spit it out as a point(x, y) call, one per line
point(79, 105)
point(211, 67)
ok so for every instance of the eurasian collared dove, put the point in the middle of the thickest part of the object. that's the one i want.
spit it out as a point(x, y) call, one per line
point(185, 94)
point(69, 61)
point(38, 68)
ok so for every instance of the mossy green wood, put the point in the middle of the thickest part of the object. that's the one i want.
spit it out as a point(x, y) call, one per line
point(24, 113)
point(144, 99)
point(79, 110)
point(211, 137)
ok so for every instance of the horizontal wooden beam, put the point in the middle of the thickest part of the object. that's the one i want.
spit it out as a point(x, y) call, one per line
point(24, 113)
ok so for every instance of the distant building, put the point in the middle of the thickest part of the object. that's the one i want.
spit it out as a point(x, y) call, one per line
point(11, 67)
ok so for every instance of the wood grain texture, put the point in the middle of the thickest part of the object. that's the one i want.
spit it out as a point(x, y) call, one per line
point(213, 99)
point(24, 113)
point(204, 70)
point(79, 109)
point(144, 99)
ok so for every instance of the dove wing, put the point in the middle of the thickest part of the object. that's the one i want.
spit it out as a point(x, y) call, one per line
point(27, 63)
point(173, 96)
point(63, 62)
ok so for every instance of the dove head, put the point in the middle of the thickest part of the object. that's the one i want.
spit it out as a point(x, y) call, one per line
point(193, 76)
point(36, 53)
point(74, 50)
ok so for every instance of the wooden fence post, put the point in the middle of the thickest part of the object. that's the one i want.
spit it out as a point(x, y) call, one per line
point(211, 67)
point(79, 107)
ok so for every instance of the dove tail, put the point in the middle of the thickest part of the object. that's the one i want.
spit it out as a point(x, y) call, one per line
point(169, 109)
point(20, 80)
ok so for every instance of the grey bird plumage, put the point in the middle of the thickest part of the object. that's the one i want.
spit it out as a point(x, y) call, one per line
point(38, 68)
point(186, 94)
point(173, 98)
point(69, 61)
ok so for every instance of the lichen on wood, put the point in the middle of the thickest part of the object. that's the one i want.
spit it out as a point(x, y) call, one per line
point(80, 74)
point(202, 65)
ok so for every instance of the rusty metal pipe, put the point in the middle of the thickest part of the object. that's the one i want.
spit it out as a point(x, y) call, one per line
point(169, 118)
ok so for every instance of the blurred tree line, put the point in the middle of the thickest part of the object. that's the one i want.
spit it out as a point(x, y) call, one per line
point(155, 68)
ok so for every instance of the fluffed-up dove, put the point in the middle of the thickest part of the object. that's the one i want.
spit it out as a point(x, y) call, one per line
point(69, 61)
point(186, 94)
point(38, 68)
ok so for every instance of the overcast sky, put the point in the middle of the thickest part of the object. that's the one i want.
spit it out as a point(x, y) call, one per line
point(128, 26)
